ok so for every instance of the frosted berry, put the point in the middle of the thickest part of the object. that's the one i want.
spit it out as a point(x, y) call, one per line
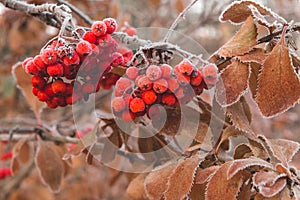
point(196, 78)
point(39, 63)
point(185, 67)
point(137, 105)
point(90, 37)
point(38, 82)
point(132, 72)
point(127, 116)
point(121, 85)
point(59, 87)
point(160, 86)
point(144, 83)
point(166, 71)
point(71, 59)
point(210, 74)
point(183, 79)
point(111, 25)
point(118, 104)
point(105, 41)
point(31, 68)
point(117, 59)
point(83, 48)
point(131, 31)
point(173, 84)
point(56, 70)
point(26, 61)
point(149, 97)
point(99, 28)
point(153, 72)
point(49, 56)
point(42, 96)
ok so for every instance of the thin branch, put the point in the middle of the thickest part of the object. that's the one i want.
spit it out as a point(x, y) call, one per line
point(78, 12)
point(277, 33)
point(178, 19)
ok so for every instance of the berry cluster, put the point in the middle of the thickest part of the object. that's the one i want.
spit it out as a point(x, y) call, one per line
point(164, 85)
point(6, 156)
point(56, 77)
point(5, 172)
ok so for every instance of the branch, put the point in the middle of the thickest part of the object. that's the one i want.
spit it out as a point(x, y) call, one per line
point(277, 33)
point(178, 19)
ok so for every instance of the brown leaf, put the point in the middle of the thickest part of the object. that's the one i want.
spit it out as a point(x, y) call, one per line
point(135, 189)
point(49, 166)
point(182, 178)
point(239, 11)
point(242, 42)
point(241, 164)
point(253, 81)
point(240, 117)
point(257, 55)
point(156, 181)
point(24, 84)
point(278, 84)
point(204, 174)
point(288, 147)
point(22, 151)
point(242, 151)
point(228, 132)
point(266, 178)
point(274, 189)
point(245, 191)
point(198, 192)
point(283, 195)
point(233, 83)
point(179, 6)
point(222, 187)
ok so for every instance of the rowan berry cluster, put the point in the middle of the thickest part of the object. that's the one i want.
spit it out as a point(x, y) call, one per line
point(136, 93)
point(94, 52)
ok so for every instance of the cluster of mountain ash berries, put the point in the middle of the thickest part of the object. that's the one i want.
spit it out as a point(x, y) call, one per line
point(5, 171)
point(140, 89)
point(69, 69)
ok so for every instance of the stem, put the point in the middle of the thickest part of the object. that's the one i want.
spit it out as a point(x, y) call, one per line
point(178, 19)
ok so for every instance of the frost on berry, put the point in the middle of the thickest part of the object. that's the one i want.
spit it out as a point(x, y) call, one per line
point(153, 72)
point(144, 83)
point(98, 28)
point(83, 48)
point(210, 74)
point(185, 67)
point(132, 72)
point(49, 56)
point(118, 104)
point(90, 37)
point(56, 70)
point(121, 85)
point(160, 86)
point(111, 25)
point(166, 71)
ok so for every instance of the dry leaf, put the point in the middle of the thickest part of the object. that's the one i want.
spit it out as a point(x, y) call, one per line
point(179, 6)
point(198, 192)
point(242, 151)
point(288, 148)
point(274, 189)
point(257, 55)
point(253, 81)
point(49, 165)
point(283, 195)
point(222, 187)
point(204, 174)
point(228, 132)
point(266, 178)
point(245, 191)
point(241, 164)
point(182, 178)
point(233, 83)
point(24, 84)
point(278, 84)
point(135, 189)
point(242, 42)
point(156, 181)
point(239, 11)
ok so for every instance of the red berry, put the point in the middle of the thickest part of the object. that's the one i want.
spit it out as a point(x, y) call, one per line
point(39, 63)
point(38, 82)
point(172, 84)
point(83, 48)
point(26, 61)
point(59, 87)
point(160, 86)
point(90, 37)
point(56, 70)
point(168, 99)
point(99, 28)
point(49, 56)
point(95, 49)
point(196, 78)
point(137, 105)
point(179, 93)
point(71, 59)
point(48, 90)
point(42, 96)
point(111, 25)
point(144, 83)
point(149, 97)
point(51, 104)
point(210, 74)
point(126, 52)
point(183, 79)
point(31, 68)
point(35, 91)
point(121, 85)
point(118, 104)
point(117, 59)
point(60, 101)
point(69, 89)
point(127, 116)
point(185, 67)
point(166, 71)
point(6, 156)
point(105, 41)
point(153, 72)
point(132, 72)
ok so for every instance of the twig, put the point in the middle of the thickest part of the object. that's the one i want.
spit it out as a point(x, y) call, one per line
point(8, 186)
point(277, 33)
point(178, 19)
point(78, 12)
